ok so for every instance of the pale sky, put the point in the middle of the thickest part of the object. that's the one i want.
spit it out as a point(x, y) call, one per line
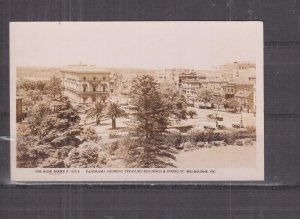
point(198, 45)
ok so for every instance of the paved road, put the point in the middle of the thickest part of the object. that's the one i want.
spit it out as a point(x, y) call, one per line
point(228, 118)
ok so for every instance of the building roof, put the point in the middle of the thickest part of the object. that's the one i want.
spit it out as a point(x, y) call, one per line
point(243, 94)
point(239, 81)
point(191, 81)
point(229, 85)
point(214, 80)
point(84, 69)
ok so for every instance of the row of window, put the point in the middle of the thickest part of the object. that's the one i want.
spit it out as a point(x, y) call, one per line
point(94, 78)
point(104, 88)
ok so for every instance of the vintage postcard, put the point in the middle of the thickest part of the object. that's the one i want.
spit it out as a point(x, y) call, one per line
point(136, 101)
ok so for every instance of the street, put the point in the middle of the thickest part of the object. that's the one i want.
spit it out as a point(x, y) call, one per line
point(228, 118)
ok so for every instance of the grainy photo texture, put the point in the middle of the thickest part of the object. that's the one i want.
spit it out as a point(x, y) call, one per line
point(131, 101)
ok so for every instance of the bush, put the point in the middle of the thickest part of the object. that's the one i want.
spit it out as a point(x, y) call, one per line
point(146, 153)
point(200, 144)
point(35, 95)
point(239, 142)
point(114, 135)
point(195, 136)
point(39, 153)
point(192, 113)
point(112, 147)
point(188, 146)
point(248, 141)
point(229, 136)
point(89, 134)
point(173, 139)
point(39, 111)
point(53, 162)
point(219, 143)
point(172, 131)
point(88, 156)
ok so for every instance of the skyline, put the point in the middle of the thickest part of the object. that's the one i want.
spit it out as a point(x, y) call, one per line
point(151, 45)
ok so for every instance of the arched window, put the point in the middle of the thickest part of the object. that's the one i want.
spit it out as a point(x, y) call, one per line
point(84, 87)
point(94, 86)
point(104, 87)
point(84, 99)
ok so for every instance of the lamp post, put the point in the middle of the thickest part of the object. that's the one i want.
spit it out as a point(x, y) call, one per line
point(242, 126)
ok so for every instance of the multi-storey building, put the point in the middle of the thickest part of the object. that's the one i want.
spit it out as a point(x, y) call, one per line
point(186, 76)
point(245, 100)
point(213, 85)
point(237, 70)
point(190, 87)
point(228, 90)
point(86, 84)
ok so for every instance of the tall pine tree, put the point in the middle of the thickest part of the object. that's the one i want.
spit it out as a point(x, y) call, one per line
point(149, 112)
point(150, 117)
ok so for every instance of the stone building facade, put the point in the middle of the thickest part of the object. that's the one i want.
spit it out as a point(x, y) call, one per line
point(86, 84)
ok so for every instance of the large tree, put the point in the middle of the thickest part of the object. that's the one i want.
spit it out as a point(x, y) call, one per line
point(149, 112)
point(97, 111)
point(218, 100)
point(147, 153)
point(232, 103)
point(174, 101)
point(204, 95)
point(114, 111)
point(54, 87)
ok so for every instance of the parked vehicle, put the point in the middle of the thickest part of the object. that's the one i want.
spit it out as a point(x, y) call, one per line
point(220, 118)
point(211, 116)
point(190, 103)
point(208, 127)
point(236, 126)
point(221, 127)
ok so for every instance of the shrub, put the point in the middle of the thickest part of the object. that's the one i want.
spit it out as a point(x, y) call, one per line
point(53, 162)
point(35, 95)
point(239, 142)
point(196, 136)
point(86, 156)
point(207, 145)
point(114, 135)
point(188, 146)
point(192, 113)
point(111, 147)
point(200, 144)
point(39, 153)
point(172, 131)
point(146, 153)
point(39, 112)
point(173, 139)
point(229, 136)
point(248, 141)
point(89, 134)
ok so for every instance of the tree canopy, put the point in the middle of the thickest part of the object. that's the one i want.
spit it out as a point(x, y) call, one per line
point(174, 101)
point(114, 111)
point(97, 111)
point(149, 112)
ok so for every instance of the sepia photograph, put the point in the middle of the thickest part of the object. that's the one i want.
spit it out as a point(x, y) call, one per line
point(136, 101)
